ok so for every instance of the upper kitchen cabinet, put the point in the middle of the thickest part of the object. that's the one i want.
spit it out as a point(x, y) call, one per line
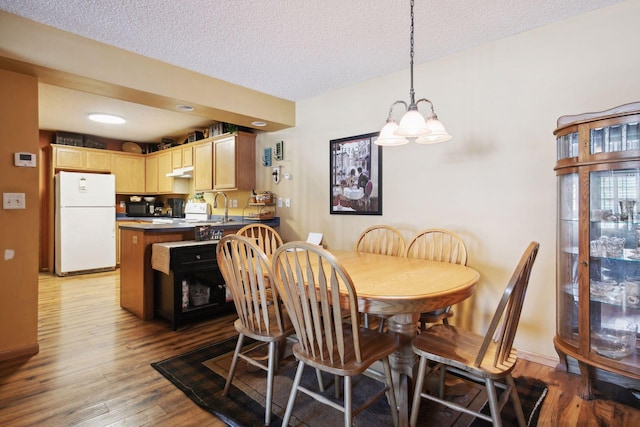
point(129, 170)
point(78, 158)
point(169, 184)
point(182, 156)
point(203, 166)
point(234, 159)
point(151, 173)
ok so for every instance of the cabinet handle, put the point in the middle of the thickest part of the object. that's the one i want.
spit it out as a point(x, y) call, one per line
point(584, 263)
point(197, 256)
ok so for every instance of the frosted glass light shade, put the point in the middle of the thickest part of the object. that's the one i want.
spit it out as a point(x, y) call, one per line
point(412, 125)
point(387, 136)
point(437, 133)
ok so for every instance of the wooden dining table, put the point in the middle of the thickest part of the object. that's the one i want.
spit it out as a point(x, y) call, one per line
point(400, 289)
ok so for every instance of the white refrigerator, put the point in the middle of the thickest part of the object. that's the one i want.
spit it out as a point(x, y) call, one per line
point(85, 227)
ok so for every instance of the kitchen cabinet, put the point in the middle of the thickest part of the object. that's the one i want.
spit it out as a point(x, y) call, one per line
point(165, 166)
point(203, 166)
point(182, 156)
point(234, 162)
point(118, 237)
point(598, 247)
point(168, 184)
point(79, 158)
point(129, 170)
point(151, 173)
point(225, 162)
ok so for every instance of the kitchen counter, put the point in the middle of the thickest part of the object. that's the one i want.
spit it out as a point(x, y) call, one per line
point(164, 224)
point(136, 272)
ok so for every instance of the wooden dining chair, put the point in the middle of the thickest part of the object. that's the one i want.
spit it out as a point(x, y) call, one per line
point(316, 290)
point(264, 236)
point(437, 244)
point(382, 240)
point(486, 360)
point(246, 270)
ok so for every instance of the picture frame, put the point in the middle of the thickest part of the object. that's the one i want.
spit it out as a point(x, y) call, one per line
point(355, 175)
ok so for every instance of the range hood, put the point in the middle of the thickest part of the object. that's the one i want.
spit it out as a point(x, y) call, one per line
point(186, 172)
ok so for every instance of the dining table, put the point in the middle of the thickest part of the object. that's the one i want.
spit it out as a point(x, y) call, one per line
point(399, 289)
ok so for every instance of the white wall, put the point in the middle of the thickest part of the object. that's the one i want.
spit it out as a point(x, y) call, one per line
point(494, 183)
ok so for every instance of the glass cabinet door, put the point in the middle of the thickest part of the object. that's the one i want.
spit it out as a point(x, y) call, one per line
point(614, 272)
point(567, 270)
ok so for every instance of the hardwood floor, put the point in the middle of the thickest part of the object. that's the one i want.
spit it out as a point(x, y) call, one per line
point(94, 369)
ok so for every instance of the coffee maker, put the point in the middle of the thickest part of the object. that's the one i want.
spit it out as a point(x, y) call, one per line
point(177, 207)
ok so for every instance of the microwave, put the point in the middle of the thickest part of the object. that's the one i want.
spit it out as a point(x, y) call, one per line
point(140, 209)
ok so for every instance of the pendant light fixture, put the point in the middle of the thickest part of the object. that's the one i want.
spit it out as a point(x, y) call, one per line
point(413, 125)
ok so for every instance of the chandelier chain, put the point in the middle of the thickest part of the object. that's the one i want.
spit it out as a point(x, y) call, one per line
point(411, 91)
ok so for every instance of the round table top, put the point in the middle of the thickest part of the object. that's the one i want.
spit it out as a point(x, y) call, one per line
point(394, 285)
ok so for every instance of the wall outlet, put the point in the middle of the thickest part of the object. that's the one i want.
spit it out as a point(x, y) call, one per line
point(287, 202)
point(234, 203)
point(279, 202)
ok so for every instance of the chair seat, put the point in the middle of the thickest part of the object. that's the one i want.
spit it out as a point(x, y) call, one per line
point(267, 336)
point(374, 346)
point(459, 348)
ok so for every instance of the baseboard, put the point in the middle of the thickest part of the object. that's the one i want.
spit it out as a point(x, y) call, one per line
point(552, 362)
point(15, 353)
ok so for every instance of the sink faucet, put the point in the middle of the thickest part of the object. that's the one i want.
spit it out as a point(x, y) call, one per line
point(226, 208)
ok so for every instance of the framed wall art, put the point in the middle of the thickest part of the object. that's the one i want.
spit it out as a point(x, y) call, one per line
point(355, 175)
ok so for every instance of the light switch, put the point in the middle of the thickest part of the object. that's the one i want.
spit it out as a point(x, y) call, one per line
point(13, 201)
point(287, 202)
point(279, 202)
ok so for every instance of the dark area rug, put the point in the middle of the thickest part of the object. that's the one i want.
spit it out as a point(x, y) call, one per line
point(201, 375)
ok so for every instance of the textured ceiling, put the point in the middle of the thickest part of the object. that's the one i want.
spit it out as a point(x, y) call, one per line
point(295, 49)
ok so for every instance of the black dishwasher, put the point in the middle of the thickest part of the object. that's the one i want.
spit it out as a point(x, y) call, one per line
point(194, 287)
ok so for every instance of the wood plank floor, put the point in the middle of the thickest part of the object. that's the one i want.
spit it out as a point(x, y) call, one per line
point(94, 369)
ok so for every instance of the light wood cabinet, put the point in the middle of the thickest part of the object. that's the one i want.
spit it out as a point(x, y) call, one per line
point(234, 159)
point(168, 184)
point(203, 166)
point(129, 170)
point(187, 156)
point(598, 248)
point(78, 158)
point(151, 173)
point(165, 166)
point(182, 156)
point(118, 224)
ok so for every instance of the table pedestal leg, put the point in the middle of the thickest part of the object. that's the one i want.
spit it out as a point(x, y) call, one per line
point(403, 361)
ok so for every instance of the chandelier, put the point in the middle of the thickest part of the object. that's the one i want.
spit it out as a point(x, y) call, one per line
point(413, 126)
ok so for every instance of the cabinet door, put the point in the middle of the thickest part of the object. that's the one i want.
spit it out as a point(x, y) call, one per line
point(614, 267)
point(224, 160)
point(98, 161)
point(151, 173)
point(203, 166)
point(187, 156)
point(568, 247)
point(165, 183)
point(176, 158)
point(129, 172)
point(67, 157)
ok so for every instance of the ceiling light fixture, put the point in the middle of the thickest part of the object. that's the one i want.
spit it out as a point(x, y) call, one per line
point(259, 124)
point(412, 125)
point(110, 119)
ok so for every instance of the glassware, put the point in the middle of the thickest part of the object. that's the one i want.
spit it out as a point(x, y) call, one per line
point(626, 209)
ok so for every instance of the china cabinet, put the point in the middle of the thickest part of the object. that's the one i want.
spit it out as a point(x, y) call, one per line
point(598, 243)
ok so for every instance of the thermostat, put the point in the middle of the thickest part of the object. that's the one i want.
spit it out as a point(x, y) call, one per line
point(24, 160)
